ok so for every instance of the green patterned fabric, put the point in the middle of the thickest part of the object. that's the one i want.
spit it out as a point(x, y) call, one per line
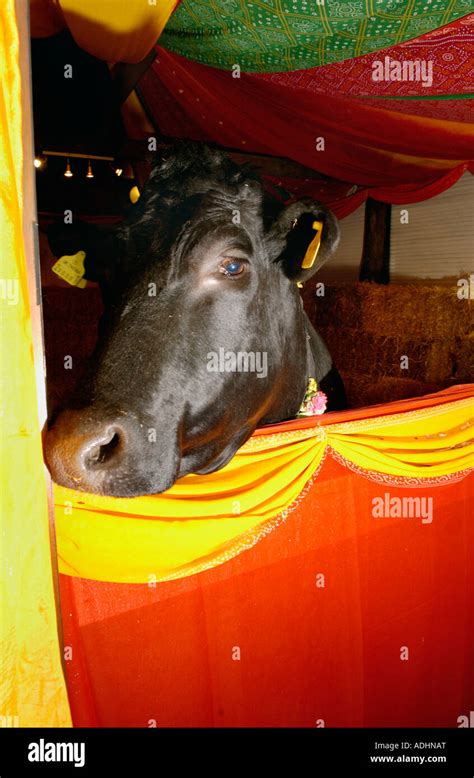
point(275, 35)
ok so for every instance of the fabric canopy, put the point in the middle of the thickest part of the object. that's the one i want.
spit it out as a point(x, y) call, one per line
point(448, 50)
point(343, 199)
point(310, 69)
point(112, 30)
point(394, 157)
point(203, 521)
point(295, 57)
point(289, 35)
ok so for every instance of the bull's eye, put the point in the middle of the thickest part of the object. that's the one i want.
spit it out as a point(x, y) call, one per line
point(231, 266)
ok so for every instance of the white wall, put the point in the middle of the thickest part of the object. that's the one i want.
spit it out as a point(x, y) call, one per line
point(344, 266)
point(437, 242)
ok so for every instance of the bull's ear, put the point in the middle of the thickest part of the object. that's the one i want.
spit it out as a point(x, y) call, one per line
point(302, 238)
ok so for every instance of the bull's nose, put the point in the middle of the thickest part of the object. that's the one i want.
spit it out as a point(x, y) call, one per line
point(102, 449)
point(80, 450)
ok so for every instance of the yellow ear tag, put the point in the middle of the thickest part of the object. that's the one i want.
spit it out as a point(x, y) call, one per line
point(71, 269)
point(313, 248)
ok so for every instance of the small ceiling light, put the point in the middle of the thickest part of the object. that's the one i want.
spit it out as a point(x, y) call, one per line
point(89, 173)
point(68, 172)
point(118, 171)
point(40, 162)
point(134, 194)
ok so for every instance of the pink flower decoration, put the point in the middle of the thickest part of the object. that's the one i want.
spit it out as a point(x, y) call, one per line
point(315, 406)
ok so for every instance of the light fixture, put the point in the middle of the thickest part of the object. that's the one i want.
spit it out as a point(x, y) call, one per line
point(118, 171)
point(89, 173)
point(68, 172)
point(39, 162)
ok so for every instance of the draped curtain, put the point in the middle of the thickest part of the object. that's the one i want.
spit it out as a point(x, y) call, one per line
point(281, 78)
point(294, 34)
point(229, 602)
point(112, 30)
point(203, 521)
point(363, 148)
point(32, 686)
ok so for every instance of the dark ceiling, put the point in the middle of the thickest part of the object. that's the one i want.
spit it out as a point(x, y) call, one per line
point(79, 114)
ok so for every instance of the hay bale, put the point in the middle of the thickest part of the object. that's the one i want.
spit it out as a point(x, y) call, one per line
point(365, 391)
point(463, 359)
point(340, 306)
point(364, 353)
point(427, 312)
point(368, 329)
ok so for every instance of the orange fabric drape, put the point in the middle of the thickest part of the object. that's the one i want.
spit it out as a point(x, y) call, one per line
point(203, 521)
point(336, 617)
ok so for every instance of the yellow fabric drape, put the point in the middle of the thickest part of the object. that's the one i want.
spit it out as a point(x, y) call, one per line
point(112, 30)
point(32, 689)
point(205, 520)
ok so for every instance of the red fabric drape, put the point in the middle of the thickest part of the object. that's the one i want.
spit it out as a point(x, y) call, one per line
point(453, 110)
point(343, 200)
point(448, 48)
point(307, 653)
point(392, 156)
point(312, 623)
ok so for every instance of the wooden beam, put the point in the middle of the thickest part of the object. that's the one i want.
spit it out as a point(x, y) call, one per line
point(375, 262)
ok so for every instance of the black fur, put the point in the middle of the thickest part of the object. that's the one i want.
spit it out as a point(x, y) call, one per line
point(151, 410)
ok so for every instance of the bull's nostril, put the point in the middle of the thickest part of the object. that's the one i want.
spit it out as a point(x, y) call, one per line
point(102, 452)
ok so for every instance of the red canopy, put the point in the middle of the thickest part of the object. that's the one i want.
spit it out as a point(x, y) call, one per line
point(393, 156)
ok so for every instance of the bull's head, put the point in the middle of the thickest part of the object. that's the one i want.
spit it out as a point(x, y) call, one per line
point(204, 335)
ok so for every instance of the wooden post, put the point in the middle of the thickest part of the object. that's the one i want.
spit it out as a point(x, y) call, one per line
point(375, 262)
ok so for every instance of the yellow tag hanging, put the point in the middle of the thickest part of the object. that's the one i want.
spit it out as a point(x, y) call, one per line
point(313, 248)
point(71, 269)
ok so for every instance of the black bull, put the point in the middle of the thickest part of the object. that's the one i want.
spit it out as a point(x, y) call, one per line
point(204, 335)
